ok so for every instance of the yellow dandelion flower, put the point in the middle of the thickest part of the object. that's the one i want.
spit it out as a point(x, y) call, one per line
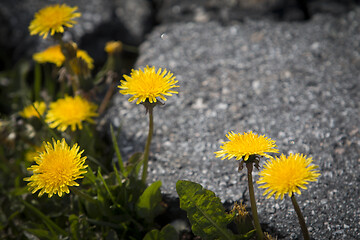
point(56, 168)
point(53, 19)
point(52, 54)
point(113, 46)
point(148, 85)
point(33, 153)
point(30, 111)
point(245, 145)
point(285, 175)
point(70, 111)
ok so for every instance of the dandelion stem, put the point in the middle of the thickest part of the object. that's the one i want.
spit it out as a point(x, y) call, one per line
point(53, 134)
point(259, 232)
point(107, 97)
point(301, 218)
point(82, 194)
point(148, 142)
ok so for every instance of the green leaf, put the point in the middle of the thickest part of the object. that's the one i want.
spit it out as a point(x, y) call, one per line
point(48, 222)
point(37, 82)
point(245, 236)
point(106, 187)
point(74, 226)
point(167, 233)
point(204, 210)
point(41, 233)
point(152, 235)
point(134, 164)
point(117, 151)
point(148, 205)
point(117, 175)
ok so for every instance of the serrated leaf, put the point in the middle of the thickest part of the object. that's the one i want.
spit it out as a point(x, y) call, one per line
point(148, 206)
point(167, 233)
point(204, 210)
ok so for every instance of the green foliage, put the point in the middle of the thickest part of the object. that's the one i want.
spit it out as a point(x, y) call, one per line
point(167, 233)
point(206, 213)
point(53, 227)
point(149, 203)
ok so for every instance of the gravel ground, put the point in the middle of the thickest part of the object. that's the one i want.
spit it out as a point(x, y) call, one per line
point(297, 83)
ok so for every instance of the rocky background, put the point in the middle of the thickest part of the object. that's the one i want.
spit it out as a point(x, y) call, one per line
point(286, 69)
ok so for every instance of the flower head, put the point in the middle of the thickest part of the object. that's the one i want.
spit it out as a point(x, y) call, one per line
point(148, 85)
point(54, 55)
point(113, 46)
point(245, 145)
point(30, 111)
point(285, 175)
point(53, 19)
point(56, 168)
point(70, 111)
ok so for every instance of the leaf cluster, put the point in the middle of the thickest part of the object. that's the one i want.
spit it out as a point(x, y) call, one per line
point(206, 213)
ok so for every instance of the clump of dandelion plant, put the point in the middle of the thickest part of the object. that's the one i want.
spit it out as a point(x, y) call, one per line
point(56, 169)
point(53, 20)
point(147, 86)
point(285, 176)
point(248, 147)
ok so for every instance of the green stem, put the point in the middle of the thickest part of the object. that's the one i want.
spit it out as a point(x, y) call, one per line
point(130, 48)
point(107, 97)
point(117, 151)
point(37, 82)
point(41, 118)
point(147, 146)
point(74, 83)
point(259, 232)
point(301, 218)
point(82, 194)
